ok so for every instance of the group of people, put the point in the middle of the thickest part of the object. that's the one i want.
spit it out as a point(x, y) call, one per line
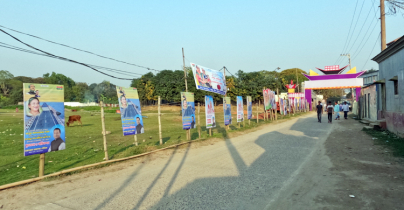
point(331, 110)
point(203, 79)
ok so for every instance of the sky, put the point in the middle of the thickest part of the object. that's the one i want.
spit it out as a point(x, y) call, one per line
point(241, 35)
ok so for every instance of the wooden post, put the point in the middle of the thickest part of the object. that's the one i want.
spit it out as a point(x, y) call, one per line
point(135, 137)
point(210, 131)
point(159, 115)
point(41, 164)
point(257, 110)
point(199, 119)
point(103, 131)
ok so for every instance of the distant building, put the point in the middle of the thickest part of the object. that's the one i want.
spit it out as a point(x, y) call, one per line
point(369, 104)
point(391, 80)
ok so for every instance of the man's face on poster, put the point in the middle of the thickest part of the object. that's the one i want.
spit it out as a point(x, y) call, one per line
point(32, 87)
point(56, 133)
point(192, 118)
point(137, 120)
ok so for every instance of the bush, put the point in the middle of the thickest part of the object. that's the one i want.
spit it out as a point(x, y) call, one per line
point(20, 107)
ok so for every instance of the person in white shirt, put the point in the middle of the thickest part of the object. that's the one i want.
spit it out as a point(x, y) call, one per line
point(345, 108)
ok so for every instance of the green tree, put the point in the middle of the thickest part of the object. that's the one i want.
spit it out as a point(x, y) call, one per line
point(5, 76)
point(61, 79)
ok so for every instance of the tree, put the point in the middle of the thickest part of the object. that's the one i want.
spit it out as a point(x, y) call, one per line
point(5, 76)
point(293, 74)
point(61, 79)
point(79, 91)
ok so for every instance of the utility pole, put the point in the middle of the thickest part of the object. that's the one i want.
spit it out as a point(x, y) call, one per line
point(383, 24)
point(350, 67)
point(297, 78)
point(185, 72)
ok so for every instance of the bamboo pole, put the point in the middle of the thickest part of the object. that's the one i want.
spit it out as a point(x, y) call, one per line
point(103, 131)
point(210, 131)
point(159, 114)
point(257, 110)
point(41, 164)
point(199, 119)
point(135, 136)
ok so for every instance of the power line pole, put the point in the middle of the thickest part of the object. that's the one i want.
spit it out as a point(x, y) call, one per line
point(350, 67)
point(383, 25)
point(185, 72)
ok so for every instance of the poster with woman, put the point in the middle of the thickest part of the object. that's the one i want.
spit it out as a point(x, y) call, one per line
point(44, 118)
point(210, 112)
point(249, 108)
point(227, 110)
point(240, 110)
point(188, 110)
point(273, 101)
point(131, 113)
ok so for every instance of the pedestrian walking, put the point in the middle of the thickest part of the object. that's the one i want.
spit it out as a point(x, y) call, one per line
point(330, 110)
point(345, 108)
point(319, 109)
point(336, 110)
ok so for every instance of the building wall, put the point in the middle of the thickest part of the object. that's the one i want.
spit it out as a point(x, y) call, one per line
point(369, 106)
point(394, 110)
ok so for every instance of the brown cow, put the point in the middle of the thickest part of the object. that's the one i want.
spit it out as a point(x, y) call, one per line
point(74, 118)
point(74, 110)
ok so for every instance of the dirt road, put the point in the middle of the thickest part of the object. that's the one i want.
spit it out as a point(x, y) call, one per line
point(297, 164)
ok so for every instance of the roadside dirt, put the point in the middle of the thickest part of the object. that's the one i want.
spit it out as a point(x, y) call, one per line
point(348, 164)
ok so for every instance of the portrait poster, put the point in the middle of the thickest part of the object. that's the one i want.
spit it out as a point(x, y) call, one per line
point(131, 113)
point(210, 112)
point(267, 101)
point(240, 111)
point(44, 118)
point(273, 101)
point(208, 79)
point(249, 108)
point(188, 110)
point(281, 106)
point(227, 110)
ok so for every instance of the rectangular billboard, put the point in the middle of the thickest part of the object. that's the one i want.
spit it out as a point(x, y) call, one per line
point(188, 110)
point(267, 99)
point(240, 110)
point(208, 79)
point(44, 118)
point(249, 107)
point(210, 112)
point(227, 110)
point(131, 113)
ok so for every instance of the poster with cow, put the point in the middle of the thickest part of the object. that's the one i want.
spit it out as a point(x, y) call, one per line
point(210, 112)
point(44, 118)
point(188, 110)
point(131, 113)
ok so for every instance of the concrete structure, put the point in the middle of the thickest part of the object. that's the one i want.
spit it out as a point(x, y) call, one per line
point(369, 103)
point(370, 77)
point(391, 80)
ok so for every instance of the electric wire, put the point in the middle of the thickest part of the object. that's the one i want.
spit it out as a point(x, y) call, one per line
point(349, 31)
point(127, 73)
point(62, 58)
point(64, 45)
point(371, 51)
point(353, 31)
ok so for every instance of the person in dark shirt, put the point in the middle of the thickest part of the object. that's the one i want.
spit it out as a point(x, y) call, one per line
point(193, 122)
point(319, 109)
point(58, 143)
point(139, 126)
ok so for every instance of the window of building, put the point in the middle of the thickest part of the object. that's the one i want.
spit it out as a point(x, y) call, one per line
point(395, 87)
point(374, 79)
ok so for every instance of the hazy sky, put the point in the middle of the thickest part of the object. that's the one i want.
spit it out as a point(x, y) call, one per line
point(246, 35)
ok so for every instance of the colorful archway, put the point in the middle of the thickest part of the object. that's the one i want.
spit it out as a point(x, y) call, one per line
point(333, 79)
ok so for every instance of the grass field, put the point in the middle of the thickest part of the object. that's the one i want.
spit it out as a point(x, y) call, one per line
point(84, 145)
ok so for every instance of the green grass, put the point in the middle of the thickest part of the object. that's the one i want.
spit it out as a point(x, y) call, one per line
point(84, 145)
point(388, 140)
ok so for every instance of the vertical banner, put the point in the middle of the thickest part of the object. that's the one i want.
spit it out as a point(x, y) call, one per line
point(209, 80)
point(210, 112)
point(273, 101)
point(188, 110)
point(285, 108)
point(44, 118)
point(281, 110)
point(240, 111)
point(267, 101)
point(227, 110)
point(249, 108)
point(131, 114)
